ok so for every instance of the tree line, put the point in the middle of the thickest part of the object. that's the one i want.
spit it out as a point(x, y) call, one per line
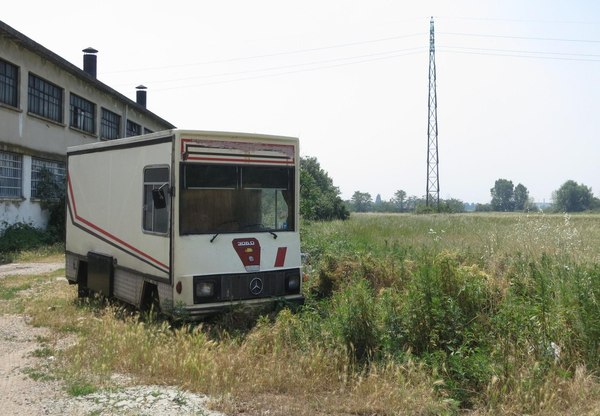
point(320, 199)
point(569, 197)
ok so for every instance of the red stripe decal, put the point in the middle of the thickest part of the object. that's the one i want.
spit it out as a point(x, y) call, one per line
point(280, 259)
point(106, 233)
point(241, 159)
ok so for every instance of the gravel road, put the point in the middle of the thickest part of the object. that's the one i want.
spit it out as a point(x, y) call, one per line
point(26, 390)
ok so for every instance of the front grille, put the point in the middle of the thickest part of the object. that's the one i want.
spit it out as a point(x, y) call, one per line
point(242, 286)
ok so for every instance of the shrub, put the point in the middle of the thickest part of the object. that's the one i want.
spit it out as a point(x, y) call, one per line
point(353, 320)
point(52, 194)
point(22, 236)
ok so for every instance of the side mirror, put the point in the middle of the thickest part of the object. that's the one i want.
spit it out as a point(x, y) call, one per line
point(158, 198)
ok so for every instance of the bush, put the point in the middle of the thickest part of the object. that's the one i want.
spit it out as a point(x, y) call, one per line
point(52, 195)
point(353, 320)
point(22, 236)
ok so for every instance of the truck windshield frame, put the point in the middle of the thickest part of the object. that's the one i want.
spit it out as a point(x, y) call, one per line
point(236, 198)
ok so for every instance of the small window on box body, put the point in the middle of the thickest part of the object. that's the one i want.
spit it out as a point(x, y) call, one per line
point(155, 218)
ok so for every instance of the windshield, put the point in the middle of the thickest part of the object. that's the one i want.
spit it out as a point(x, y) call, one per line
point(234, 198)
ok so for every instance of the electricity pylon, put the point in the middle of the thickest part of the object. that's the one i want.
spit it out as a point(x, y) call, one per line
point(433, 183)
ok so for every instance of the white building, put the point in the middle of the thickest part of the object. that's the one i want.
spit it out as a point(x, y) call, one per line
point(46, 105)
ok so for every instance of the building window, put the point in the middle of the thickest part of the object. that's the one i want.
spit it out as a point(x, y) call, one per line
point(11, 174)
point(155, 217)
point(110, 125)
point(133, 129)
point(148, 131)
point(45, 99)
point(9, 81)
point(56, 169)
point(83, 114)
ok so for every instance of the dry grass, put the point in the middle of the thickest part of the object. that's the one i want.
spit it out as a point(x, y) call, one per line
point(260, 375)
point(278, 368)
point(252, 375)
point(557, 395)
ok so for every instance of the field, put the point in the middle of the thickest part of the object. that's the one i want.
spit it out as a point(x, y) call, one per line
point(481, 314)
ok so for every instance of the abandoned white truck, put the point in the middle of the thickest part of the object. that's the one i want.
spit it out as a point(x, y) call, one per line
point(189, 221)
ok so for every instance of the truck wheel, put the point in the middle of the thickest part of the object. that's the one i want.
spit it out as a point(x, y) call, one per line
point(82, 289)
point(150, 300)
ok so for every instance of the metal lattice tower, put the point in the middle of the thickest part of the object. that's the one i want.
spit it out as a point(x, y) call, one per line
point(433, 184)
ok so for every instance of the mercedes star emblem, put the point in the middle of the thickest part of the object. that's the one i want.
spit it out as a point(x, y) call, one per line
point(256, 286)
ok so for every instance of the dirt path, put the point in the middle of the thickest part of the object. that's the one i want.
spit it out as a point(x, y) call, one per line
point(22, 395)
point(18, 269)
point(26, 389)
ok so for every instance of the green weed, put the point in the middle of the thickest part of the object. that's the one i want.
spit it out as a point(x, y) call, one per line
point(404, 314)
point(78, 388)
point(8, 293)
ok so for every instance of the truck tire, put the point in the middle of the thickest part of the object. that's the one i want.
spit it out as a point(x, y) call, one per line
point(150, 300)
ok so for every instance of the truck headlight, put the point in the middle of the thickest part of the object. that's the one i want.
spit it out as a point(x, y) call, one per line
point(205, 289)
point(292, 283)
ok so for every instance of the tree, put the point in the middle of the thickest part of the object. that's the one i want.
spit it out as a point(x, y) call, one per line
point(452, 205)
point(502, 195)
point(398, 200)
point(361, 201)
point(572, 197)
point(51, 190)
point(483, 208)
point(319, 198)
point(520, 197)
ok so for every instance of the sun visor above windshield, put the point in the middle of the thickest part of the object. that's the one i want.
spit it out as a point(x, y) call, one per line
point(217, 151)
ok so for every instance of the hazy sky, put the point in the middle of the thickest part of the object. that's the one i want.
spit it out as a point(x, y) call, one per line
point(518, 82)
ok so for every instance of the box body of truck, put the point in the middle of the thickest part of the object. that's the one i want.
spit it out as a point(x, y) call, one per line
point(191, 221)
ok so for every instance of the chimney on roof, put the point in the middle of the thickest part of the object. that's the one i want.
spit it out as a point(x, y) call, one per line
point(90, 61)
point(140, 95)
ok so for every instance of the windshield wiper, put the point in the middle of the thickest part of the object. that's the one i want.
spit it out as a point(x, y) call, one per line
point(270, 232)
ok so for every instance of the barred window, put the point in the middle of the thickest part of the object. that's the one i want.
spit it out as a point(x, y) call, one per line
point(83, 114)
point(11, 175)
point(57, 169)
point(9, 81)
point(133, 129)
point(45, 99)
point(110, 125)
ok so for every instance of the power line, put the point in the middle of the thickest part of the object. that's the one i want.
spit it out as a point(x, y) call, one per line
point(375, 57)
point(500, 19)
point(522, 51)
point(520, 37)
point(291, 72)
point(386, 55)
point(270, 55)
point(513, 55)
point(393, 54)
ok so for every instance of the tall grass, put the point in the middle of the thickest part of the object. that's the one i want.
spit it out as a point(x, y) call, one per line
point(490, 314)
point(502, 304)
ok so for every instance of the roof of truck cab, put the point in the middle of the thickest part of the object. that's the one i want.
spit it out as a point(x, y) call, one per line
point(168, 135)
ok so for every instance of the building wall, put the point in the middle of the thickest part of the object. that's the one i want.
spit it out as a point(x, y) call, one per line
point(32, 136)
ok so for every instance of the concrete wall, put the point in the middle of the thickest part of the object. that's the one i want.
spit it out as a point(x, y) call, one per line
point(23, 210)
point(33, 136)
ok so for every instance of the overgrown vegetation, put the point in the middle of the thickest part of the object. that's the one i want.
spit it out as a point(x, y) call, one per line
point(319, 198)
point(51, 190)
point(405, 314)
point(24, 241)
point(20, 239)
